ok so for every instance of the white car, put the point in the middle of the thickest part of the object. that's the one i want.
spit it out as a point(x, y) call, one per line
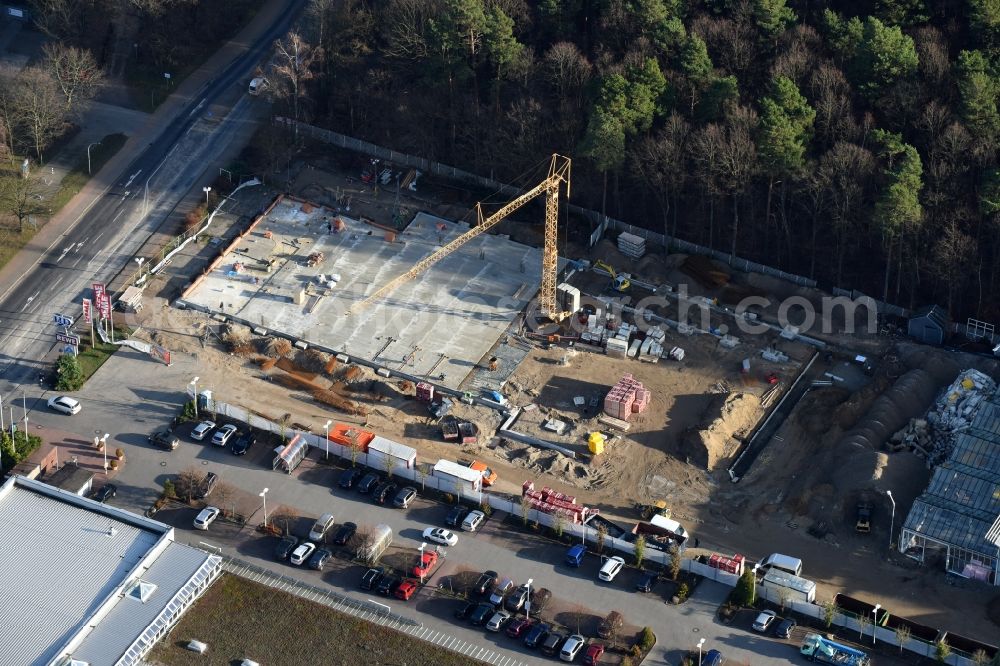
point(441, 536)
point(206, 518)
point(201, 430)
point(611, 568)
point(572, 647)
point(223, 434)
point(764, 620)
point(65, 404)
point(302, 552)
point(473, 521)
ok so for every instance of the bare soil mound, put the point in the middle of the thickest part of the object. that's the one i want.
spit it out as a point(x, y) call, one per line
point(727, 419)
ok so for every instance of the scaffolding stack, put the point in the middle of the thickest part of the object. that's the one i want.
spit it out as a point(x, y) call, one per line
point(631, 245)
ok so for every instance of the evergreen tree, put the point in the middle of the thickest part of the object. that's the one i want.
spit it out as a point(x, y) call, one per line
point(885, 56)
point(978, 89)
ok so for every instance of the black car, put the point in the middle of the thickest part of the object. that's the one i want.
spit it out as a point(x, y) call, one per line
point(370, 579)
point(404, 497)
point(319, 558)
point(647, 581)
point(207, 485)
point(106, 492)
point(516, 599)
point(462, 612)
point(285, 547)
point(388, 584)
point(349, 477)
point(344, 534)
point(164, 439)
point(384, 492)
point(536, 635)
point(367, 483)
point(481, 613)
point(455, 516)
point(552, 643)
point(486, 582)
point(784, 628)
point(243, 443)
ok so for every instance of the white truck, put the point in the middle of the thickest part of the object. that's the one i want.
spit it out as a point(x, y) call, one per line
point(258, 84)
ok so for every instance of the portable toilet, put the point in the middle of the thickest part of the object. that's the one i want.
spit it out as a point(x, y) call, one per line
point(596, 443)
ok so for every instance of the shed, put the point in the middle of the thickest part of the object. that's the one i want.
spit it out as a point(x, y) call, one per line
point(73, 478)
point(383, 453)
point(131, 299)
point(290, 455)
point(929, 325)
point(447, 468)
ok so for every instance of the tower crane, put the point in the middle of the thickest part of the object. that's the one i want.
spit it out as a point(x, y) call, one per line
point(559, 172)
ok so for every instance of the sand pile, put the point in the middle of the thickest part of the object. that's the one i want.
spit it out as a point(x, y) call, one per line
point(727, 419)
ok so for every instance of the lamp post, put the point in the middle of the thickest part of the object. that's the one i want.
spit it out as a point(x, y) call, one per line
point(527, 599)
point(263, 495)
point(206, 190)
point(422, 546)
point(326, 427)
point(140, 261)
point(753, 594)
point(875, 621)
point(700, 643)
point(892, 518)
point(194, 382)
point(88, 155)
point(104, 441)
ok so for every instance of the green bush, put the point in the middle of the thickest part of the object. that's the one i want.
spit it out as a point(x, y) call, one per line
point(648, 639)
point(188, 413)
point(21, 448)
point(69, 374)
point(168, 489)
point(743, 592)
point(683, 591)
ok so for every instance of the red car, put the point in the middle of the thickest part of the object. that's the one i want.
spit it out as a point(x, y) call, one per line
point(407, 589)
point(427, 561)
point(593, 654)
point(518, 627)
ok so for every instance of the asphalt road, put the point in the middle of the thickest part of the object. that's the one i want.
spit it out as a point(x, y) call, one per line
point(115, 224)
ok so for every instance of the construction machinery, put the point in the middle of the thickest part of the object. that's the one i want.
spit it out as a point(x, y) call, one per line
point(559, 173)
point(619, 281)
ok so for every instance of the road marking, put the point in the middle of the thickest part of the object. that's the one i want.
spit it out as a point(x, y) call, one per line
point(28, 302)
point(120, 211)
point(58, 280)
point(195, 109)
point(98, 237)
point(132, 177)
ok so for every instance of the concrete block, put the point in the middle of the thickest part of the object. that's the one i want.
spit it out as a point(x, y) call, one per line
point(383, 372)
point(301, 344)
point(260, 331)
point(343, 358)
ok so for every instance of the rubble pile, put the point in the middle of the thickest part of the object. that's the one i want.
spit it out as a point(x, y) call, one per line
point(933, 436)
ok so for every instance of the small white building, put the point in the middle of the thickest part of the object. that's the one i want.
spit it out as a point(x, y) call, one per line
point(459, 479)
point(384, 452)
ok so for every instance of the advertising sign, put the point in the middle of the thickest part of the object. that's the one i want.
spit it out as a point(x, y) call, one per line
point(68, 339)
point(87, 316)
point(62, 320)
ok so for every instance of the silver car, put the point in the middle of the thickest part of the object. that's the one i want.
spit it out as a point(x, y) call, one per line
point(206, 517)
point(498, 620)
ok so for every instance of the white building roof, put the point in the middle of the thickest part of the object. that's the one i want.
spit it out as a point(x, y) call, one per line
point(67, 562)
point(394, 449)
point(456, 470)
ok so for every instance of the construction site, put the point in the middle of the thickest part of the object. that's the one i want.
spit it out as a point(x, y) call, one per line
point(417, 325)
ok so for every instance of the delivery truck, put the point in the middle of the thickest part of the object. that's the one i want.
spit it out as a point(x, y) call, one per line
point(825, 651)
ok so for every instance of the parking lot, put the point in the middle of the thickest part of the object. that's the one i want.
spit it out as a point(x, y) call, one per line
point(117, 395)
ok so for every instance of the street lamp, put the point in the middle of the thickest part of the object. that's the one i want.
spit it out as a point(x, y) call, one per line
point(88, 155)
point(194, 382)
point(892, 519)
point(875, 621)
point(263, 495)
point(326, 441)
point(753, 595)
point(700, 643)
point(140, 261)
point(527, 599)
point(422, 546)
point(206, 190)
point(104, 440)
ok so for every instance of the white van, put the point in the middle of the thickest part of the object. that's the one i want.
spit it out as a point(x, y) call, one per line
point(321, 527)
point(785, 563)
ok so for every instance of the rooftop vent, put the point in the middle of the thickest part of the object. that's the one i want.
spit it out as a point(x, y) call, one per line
point(142, 591)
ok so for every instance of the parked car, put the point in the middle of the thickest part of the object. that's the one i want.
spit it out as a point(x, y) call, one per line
point(498, 620)
point(321, 527)
point(519, 626)
point(243, 443)
point(201, 430)
point(349, 477)
point(207, 485)
point(388, 584)
point(647, 581)
point(552, 643)
point(302, 552)
point(481, 613)
point(441, 536)
point(368, 483)
point(404, 497)
point(540, 599)
point(407, 589)
point(610, 625)
point(592, 655)
point(462, 612)
point(473, 520)
point(500, 591)
point(164, 439)
point(344, 534)
point(784, 628)
point(486, 581)
point(428, 559)
point(285, 547)
point(382, 494)
point(455, 516)
point(224, 434)
point(516, 599)
point(572, 647)
point(713, 658)
point(764, 620)
point(106, 492)
point(205, 517)
point(320, 558)
point(574, 556)
point(370, 579)
point(536, 634)
point(65, 404)
point(611, 567)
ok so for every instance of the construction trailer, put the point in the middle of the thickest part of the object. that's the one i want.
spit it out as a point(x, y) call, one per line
point(463, 480)
point(789, 587)
point(385, 454)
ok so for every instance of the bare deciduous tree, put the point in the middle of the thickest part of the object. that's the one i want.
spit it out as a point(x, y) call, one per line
point(75, 71)
point(37, 108)
point(21, 197)
point(293, 67)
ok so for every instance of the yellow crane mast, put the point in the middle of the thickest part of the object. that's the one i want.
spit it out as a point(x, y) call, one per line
point(559, 172)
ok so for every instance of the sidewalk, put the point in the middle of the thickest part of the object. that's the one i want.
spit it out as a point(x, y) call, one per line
point(144, 129)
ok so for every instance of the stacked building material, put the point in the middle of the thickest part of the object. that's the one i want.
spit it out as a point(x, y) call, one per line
point(733, 565)
point(642, 399)
point(625, 398)
point(550, 501)
point(631, 245)
point(425, 392)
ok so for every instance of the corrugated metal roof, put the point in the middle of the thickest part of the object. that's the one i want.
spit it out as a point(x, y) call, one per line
point(459, 471)
point(129, 617)
point(63, 555)
point(395, 449)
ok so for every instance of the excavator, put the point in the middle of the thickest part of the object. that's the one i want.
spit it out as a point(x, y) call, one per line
point(619, 281)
